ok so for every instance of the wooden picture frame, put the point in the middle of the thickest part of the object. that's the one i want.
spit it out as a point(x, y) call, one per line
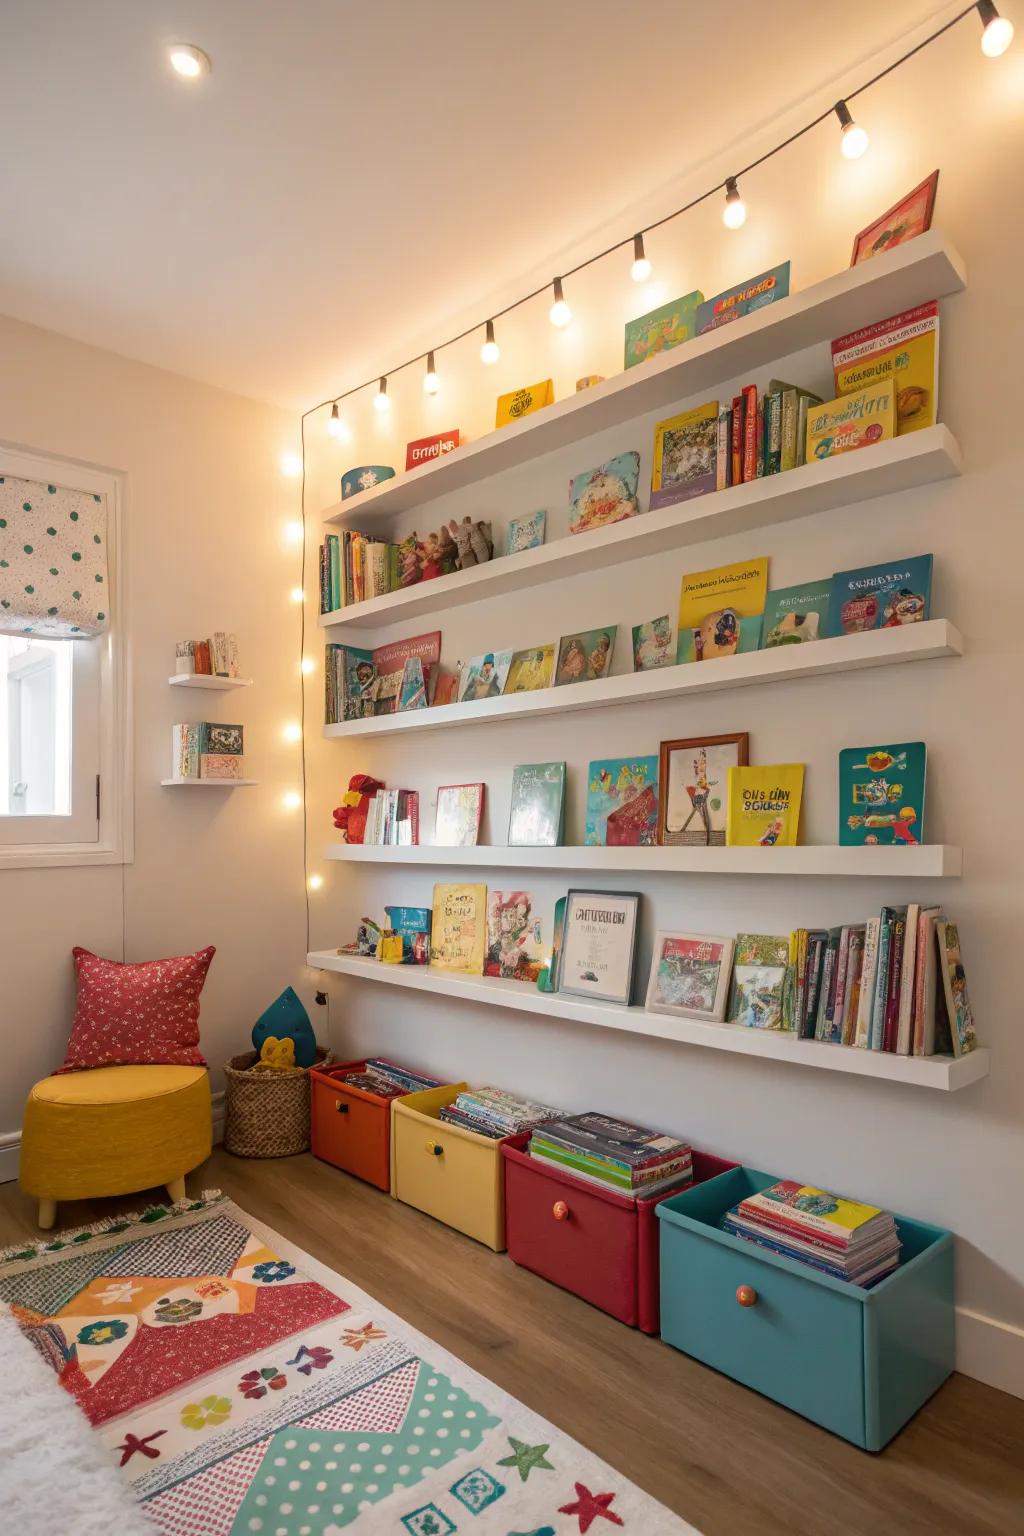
point(599, 935)
point(701, 801)
point(695, 967)
point(885, 232)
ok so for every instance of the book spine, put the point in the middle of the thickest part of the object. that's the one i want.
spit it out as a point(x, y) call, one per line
point(723, 450)
point(234, 666)
point(802, 407)
point(201, 649)
point(834, 1015)
point(762, 442)
point(867, 984)
point(881, 979)
point(827, 984)
point(815, 964)
point(892, 989)
point(736, 441)
point(851, 1003)
point(337, 596)
point(185, 658)
point(905, 1024)
point(749, 432)
point(789, 429)
point(773, 434)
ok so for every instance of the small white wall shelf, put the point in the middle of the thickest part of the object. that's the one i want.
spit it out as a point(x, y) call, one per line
point(928, 861)
point(849, 653)
point(900, 464)
point(208, 783)
point(204, 680)
point(941, 1072)
point(927, 267)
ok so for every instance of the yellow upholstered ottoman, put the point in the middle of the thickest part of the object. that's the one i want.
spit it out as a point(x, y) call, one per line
point(112, 1131)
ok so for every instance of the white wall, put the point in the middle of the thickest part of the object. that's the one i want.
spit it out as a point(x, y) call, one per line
point(204, 513)
point(951, 1159)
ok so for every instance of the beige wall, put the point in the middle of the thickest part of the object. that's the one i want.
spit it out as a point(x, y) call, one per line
point(205, 508)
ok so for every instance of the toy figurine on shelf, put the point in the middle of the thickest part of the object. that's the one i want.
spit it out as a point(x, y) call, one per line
point(350, 815)
point(473, 542)
point(437, 555)
point(409, 572)
point(366, 941)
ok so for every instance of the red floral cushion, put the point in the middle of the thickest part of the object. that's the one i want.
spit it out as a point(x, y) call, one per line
point(137, 1014)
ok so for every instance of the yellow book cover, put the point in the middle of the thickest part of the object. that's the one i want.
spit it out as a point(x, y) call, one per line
point(790, 1203)
point(764, 806)
point(852, 421)
point(522, 402)
point(904, 348)
point(720, 610)
point(458, 929)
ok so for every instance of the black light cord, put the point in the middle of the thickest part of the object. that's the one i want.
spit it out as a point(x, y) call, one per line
point(302, 694)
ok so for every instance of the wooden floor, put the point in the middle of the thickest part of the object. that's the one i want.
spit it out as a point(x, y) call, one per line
point(725, 1459)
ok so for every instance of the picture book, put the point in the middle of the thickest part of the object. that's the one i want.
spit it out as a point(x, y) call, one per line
point(485, 676)
point(693, 776)
point(584, 657)
point(523, 402)
point(458, 930)
point(536, 816)
point(910, 217)
point(547, 980)
point(514, 949)
point(530, 670)
point(904, 348)
point(880, 596)
point(525, 533)
point(926, 980)
point(425, 449)
point(685, 456)
point(758, 980)
point(881, 794)
point(793, 615)
point(413, 691)
point(446, 688)
point(764, 806)
point(795, 401)
point(690, 975)
point(622, 802)
point(662, 328)
point(412, 924)
point(389, 668)
point(744, 299)
point(954, 988)
point(653, 644)
point(720, 611)
point(852, 421)
point(604, 495)
point(908, 979)
point(457, 818)
point(220, 740)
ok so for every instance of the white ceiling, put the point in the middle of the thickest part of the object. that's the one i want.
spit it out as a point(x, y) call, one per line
point(354, 173)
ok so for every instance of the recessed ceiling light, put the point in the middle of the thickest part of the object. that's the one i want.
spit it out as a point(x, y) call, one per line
point(188, 60)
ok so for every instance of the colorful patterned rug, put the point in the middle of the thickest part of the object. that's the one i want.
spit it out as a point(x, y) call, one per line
point(244, 1388)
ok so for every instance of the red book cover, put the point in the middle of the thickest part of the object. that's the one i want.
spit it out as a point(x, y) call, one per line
point(893, 985)
point(737, 440)
point(750, 432)
point(631, 825)
point(389, 662)
point(202, 657)
point(425, 449)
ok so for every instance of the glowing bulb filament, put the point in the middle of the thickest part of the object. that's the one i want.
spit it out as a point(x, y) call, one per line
point(734, 214)
point(559, 314)
point(489, 352)
point(640, 271)
point(431, 382)
point(854, 139)
point(382, 400)
point(998, 30)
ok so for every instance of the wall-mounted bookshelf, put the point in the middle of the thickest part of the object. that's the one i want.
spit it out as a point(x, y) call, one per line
point(204, 680)
point(940, 1072)
point(208, 783)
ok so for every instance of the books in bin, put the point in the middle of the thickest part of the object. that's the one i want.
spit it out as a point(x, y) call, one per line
point(842, 1238)
point(385, 1079)
point(495, 1113)
point(630, 1160)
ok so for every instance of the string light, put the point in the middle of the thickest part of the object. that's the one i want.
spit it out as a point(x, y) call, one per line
point(291, 465)
point(381, 400)
point(734, 214)
point(640, 271)
point(297, 594)
point(291, 800)
point(292, 731)
point(307, 666)
point(335, 426)
point(189, 61)
point(559, 314)
point(854, 139)
point(315, 882)
point(293, 533)
point(490, 351)
point(431, 382)
point(997, 33)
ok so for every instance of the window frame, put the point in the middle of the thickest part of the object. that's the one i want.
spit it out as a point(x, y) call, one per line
point(114, 842)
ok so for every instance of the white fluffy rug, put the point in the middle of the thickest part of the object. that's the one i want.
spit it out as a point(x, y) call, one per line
point(55, 1476)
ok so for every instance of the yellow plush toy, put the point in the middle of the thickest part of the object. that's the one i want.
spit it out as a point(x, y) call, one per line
point(277, 1055)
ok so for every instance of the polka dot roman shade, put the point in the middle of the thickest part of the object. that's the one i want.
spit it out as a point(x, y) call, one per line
point(53, 560)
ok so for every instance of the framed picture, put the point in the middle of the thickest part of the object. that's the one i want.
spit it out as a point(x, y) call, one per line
point(598, 953)
point(690, 975)
point(693, 780)
point(911, 216)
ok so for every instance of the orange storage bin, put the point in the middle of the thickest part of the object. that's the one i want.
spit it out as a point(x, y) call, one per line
point(351, 1127)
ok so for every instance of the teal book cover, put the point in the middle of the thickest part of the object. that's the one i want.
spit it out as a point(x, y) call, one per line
point(880, 596)
point(881, 795)
point(537, 811)
point(742, 300)
point(622, 802)
point(793, 615)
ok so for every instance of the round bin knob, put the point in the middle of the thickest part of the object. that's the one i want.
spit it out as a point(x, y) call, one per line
point(746, 1296)
point(560, 1211)
point(341, 1107)
point(435, 1147)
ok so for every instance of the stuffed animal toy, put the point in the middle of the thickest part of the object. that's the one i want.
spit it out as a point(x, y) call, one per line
point(350, 815)
point(277, 1055)
point(473, 542)
point(409, 561)
point(286, 1021)
point(430, 557)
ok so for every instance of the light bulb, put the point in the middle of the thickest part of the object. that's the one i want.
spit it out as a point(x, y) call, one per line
point(431, 382)
point(490, 351)
point(292, 731)
point(998, 33)
point(854, 139)
point(335, 425)
point(188, 61)
point(315, 882)
point(559, 314)
point(381, 400)
point(291, 800)
point(734, 214)
point(293, 533)
point(640, 271)
point(297, 594)
point(307, 666)
point(291, 465)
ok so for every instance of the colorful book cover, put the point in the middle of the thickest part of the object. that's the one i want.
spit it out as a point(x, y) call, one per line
point(586, 656)
point(954, 987)
point(547, 979)
point(525, 533)
point(457, 818)
point(690, 975)
point(720, 611)
point(413, 691)
point(743, 299)
point(485, 676)
point(458, 929)
point(389, 664)
point(412, 924)
point(426, 449)
point(685, 456)
point(537, 806)
point(604, 495)
point(653, 644)
point(758, 980)
point(220, 765)
point(804, 1206)
point(626, 789)
point(904, 348)
point(881, 794)
point(221, 740)
point(880, 596)
point(793, 615)
point(660, 329)
point(514, 949)
point(852, 421)
point(523, 402)
point(763, 809)
point(358, 675)
point(530, 670)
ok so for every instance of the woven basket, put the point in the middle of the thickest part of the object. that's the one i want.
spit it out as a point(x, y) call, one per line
point(266, 1113)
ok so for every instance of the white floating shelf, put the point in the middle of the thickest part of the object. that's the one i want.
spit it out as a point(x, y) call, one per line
point(942, 1072)
point(849, 653)
point(928, 861)
point(208, 783)
point(927, 267)
point(204, 680)
point(900, 464)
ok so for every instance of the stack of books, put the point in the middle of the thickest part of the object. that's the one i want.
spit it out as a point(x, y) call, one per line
point(204, 749)
point(495, 1113)
point(387, 1080)
point(216, 657)
point(629, 1159)
point(841, 1238)
point(393, 819)
point(763, 436)
point(356, 566)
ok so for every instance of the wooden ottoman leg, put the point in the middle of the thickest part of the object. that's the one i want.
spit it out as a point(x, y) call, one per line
point(47, 1214)
point(176, 1188)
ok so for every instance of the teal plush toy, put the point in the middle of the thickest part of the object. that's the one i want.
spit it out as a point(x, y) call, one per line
point(287, 1020)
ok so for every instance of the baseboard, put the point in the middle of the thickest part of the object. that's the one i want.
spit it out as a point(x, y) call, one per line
point(990, 1351)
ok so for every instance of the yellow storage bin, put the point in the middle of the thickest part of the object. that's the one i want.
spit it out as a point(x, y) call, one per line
point(452, 1174)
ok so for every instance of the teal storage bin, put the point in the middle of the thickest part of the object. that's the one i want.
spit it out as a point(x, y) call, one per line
point(858, 1362)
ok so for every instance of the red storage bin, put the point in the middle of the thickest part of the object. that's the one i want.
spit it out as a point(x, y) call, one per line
point(350, 1127)
point(588, 1240)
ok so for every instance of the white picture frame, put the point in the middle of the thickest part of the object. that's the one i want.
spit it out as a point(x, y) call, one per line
point(598, 957)
point(681, 968)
